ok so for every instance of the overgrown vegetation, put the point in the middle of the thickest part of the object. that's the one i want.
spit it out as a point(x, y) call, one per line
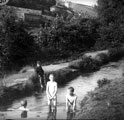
point(31, 4)
point(103, 82)
point(105, 102)
point(61, 38)
point(16, 45)
point(89, 64)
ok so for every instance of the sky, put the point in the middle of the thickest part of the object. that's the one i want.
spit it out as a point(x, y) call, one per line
point(86, 2)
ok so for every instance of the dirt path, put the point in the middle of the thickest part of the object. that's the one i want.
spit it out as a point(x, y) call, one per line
point(94, 54)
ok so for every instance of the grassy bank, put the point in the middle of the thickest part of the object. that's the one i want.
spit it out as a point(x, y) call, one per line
point(105, 102)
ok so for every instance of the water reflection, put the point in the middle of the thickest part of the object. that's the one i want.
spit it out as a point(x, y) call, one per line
point(70, 115)
point(52, 113)
point(24, 114)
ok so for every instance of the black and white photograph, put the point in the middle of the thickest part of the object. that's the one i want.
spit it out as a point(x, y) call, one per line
point(61, 59)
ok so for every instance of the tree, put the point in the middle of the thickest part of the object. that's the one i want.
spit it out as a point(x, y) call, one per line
point(33, 4)
point(16, 44)
point(65, 35)
point(111, 16)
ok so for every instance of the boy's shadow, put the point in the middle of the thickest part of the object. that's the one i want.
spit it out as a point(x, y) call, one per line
point(52, 113)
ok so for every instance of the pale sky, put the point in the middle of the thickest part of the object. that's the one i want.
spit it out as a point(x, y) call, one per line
point(86, 2)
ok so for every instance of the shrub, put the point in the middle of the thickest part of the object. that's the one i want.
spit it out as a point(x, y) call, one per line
point(88, 65)
point(103, 82)
point(102, 58)
point(29, 86)
point(63, 76)
point(75, 64)
point(116, 53)
point(25, 69)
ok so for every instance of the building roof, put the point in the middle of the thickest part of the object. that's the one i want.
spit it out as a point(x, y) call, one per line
point(61, 8)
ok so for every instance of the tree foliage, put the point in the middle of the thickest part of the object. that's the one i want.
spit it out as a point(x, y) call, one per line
point(33, 4)
point(65, 35)
point(16, 45)
point(111, 17)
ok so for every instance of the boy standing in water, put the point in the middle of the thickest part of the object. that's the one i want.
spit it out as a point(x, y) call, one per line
point(51, 91)
point(71, 99)
point(40, 73)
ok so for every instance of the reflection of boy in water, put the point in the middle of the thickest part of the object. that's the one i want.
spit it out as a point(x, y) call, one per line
point(52, 114)
point(70, 116)
point(24, 114)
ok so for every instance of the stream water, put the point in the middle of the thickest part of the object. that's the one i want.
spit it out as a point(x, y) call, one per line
point(82, 84)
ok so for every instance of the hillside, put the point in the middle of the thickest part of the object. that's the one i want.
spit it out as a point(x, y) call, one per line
point(83, 8)
point(78, 7)
point(105, 103)
point(46, 4)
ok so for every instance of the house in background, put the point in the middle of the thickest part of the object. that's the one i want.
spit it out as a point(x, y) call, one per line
point(29, 15)
point(70, 7)
point(25, 14)
point(31, 10)
point(62, 8)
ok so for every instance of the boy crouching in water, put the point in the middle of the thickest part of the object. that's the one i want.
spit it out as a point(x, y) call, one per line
point(51, 91)
point(71, 99)
point(23, 106)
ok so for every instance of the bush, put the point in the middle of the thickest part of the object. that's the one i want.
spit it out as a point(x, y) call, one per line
point(17, 46)
point(63, 76)
point(116, 53)
point(88, 65)
point(102, 58)
point(103, 82)
point(75, 64)
point(25, 69)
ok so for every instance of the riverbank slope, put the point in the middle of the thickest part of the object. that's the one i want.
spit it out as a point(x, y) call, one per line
point(105, 102)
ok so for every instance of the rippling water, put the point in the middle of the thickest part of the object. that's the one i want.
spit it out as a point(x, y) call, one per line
point(82, 85)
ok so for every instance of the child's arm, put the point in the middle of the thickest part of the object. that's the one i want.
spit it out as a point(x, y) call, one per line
point(47, 90)
point(66, 103)
point(74, 105)
point(55, 91)
point(40, 79)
